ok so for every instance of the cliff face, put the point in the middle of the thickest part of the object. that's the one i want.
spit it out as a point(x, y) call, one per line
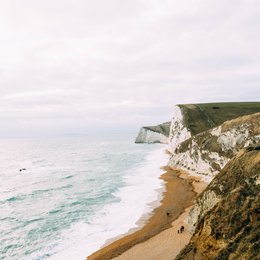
point(203, 139)
point(226, 217)
point(192, 119)
point(208, 152)
point(179, 130)
point(154, 134)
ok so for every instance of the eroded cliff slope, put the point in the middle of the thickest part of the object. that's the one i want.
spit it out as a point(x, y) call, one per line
point(226, 218)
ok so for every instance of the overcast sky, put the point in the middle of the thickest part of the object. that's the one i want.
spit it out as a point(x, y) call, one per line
point(74, 66)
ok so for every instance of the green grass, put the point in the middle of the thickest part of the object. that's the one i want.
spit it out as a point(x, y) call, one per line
point(163, 128)
point(201, 117)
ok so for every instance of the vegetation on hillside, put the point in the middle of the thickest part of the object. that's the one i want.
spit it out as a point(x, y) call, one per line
point(201, 117)
point(230, 230)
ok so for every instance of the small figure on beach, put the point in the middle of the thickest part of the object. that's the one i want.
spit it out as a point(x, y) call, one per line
point(168, 214)
point(182, 229)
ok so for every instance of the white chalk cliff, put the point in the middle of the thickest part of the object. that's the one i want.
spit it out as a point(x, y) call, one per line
point(154, 134)
point(178, 130)
point(206, 153)
point(148, 136)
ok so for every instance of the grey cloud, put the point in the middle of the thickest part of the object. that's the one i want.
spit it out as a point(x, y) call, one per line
point(74, 65)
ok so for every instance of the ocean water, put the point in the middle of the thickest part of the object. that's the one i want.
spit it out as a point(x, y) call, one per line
point(75, 194)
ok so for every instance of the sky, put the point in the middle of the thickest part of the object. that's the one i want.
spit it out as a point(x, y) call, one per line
point(84, 66)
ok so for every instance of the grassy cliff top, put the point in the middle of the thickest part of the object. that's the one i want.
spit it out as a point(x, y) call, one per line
point(163, 128)
point(201, 117)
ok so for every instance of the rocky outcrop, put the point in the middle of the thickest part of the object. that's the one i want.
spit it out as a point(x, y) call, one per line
point(208, 152)
point(154, 134)
point(226, 217)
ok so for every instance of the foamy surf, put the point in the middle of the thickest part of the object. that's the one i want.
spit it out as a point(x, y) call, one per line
point(74, 195)
point(141, 193)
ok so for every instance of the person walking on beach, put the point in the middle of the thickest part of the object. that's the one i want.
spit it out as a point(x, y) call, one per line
point(182, 229)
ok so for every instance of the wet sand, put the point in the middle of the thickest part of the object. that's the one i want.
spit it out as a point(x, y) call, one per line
point(180, 193)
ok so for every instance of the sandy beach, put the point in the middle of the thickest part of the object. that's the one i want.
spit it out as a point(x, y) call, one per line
point(158, 238)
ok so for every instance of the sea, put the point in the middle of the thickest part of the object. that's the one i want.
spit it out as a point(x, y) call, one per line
point(63, 198)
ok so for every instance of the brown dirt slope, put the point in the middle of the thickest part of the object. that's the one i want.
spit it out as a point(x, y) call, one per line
point(231, 229)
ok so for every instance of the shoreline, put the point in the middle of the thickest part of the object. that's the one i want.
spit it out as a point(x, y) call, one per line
point(180, 193)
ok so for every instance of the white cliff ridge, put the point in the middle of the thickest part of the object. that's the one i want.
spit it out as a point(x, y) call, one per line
point(191, 119)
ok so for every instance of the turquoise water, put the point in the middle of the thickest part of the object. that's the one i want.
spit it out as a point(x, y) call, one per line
point(74, 194)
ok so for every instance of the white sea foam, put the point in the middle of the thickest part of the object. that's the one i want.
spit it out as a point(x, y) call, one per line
point(142, 186)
